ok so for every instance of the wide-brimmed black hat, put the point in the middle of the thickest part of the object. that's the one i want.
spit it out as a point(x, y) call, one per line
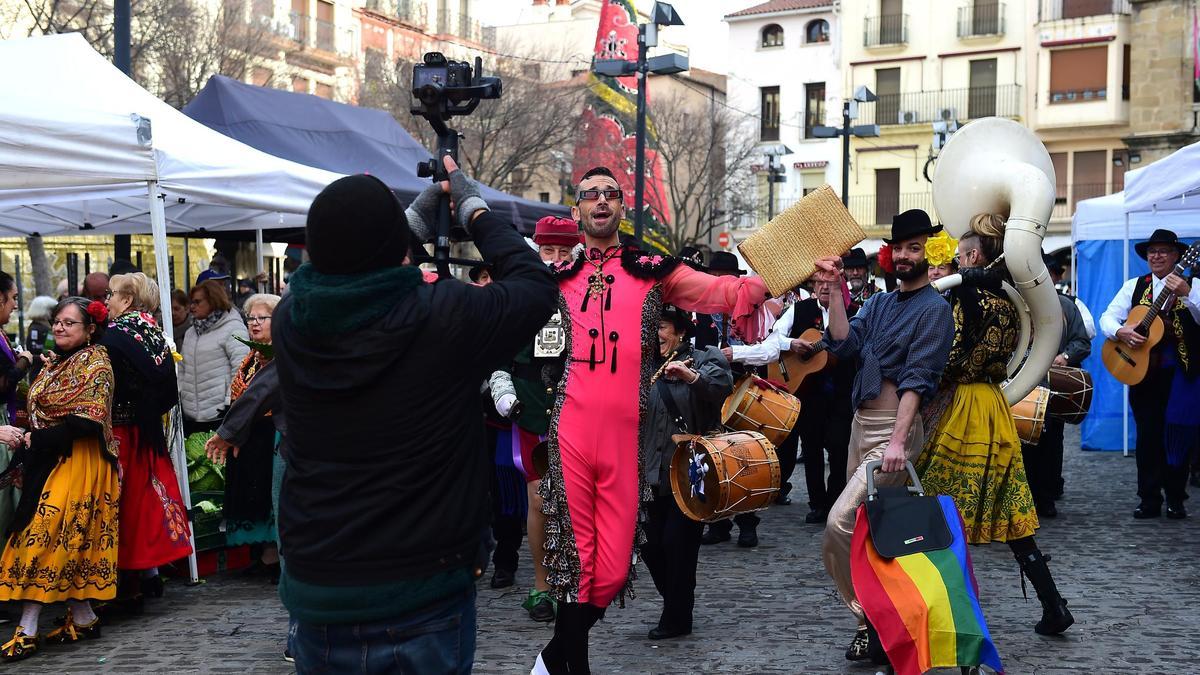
point(1161, 237)
point(693, 255)
point(724, 261)
point(680, 318)
point(856, 257)
point(1053, 264)
point(911, 223)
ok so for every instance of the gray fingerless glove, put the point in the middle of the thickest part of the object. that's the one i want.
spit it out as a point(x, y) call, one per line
point(422, 213)
point(467, 200)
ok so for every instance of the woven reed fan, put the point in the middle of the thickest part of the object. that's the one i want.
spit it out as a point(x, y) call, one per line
point(784, 252)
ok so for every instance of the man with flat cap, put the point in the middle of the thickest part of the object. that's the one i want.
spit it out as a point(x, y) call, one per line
point(900, 342)
point(1164, 403)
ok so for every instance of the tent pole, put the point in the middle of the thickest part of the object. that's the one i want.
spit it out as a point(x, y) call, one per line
point(258, 258)
point(187, 266)
point(158, 227)
point(1125, 387)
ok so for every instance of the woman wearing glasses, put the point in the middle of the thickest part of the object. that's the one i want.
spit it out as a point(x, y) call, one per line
point(154, 524)
point(63, 546)
point(249, 516)
point(211, 357)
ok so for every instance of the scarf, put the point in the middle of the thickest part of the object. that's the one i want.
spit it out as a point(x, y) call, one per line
point(253, 362)
point(144, 331)
point(333, 304)
point(79, 384)
point(204, 325)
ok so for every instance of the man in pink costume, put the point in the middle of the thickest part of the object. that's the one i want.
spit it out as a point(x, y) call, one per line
point(610, 300)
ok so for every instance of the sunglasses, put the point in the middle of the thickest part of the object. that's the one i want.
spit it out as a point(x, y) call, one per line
point(585, 195)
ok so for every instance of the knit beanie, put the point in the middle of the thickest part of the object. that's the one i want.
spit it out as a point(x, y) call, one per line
point(356, 225)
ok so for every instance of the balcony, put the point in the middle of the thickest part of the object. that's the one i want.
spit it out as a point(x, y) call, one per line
point(463, 26)
point(876, 211)
point(410, 12)
point(1056, 10)
point(981, 20)
point(924, 107)
point(886, 30)
point(323, 36)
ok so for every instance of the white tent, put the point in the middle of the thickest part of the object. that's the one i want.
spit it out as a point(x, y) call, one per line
point(1164, 194)
point(85, 150)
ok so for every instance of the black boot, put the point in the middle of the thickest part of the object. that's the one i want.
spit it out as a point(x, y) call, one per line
point(555, 655)
point(1056, 618)
point(578, 662)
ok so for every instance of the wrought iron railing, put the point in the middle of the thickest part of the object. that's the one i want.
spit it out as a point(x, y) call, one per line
point(1054, 10)
point(889, 29)
point(981, 18)
point(411, 12)
point(923, 107)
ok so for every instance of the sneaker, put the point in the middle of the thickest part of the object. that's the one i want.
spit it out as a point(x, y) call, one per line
point(540, 605)
point(503, 578)
point(857, 651)
point(287, 656)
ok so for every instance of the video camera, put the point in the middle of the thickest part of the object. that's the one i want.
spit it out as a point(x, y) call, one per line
point(442, 89)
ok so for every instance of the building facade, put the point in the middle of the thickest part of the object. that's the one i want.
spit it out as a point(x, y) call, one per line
point(783, 58)
point(1164, 105)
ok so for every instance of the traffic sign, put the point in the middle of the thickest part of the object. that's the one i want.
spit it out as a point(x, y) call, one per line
point(723, 240)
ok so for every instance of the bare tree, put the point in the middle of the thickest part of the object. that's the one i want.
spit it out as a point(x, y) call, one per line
point(94, 20)
point(705, 151)
point(504, 141)
point(40, 265)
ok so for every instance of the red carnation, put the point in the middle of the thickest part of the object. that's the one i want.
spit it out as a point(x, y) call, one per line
point(885, 259)
point(98, 311)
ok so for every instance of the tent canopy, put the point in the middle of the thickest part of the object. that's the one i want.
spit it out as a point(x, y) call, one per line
point(71, 166)
point(1161, 183)
point(334, 136)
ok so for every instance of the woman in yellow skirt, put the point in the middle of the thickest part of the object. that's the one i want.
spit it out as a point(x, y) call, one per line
point(62, 545)
point(974, 454)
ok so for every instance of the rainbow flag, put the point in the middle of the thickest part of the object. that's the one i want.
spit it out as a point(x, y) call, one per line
point(925, 606)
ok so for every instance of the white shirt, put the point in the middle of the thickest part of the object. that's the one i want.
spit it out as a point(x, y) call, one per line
point(777, 340)
point(1089, 323)
point(1114, 317)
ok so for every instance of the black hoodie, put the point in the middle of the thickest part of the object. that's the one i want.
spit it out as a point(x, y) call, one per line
point(387, 476)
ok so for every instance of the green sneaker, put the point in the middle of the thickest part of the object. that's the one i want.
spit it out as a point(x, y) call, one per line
point(540, 605)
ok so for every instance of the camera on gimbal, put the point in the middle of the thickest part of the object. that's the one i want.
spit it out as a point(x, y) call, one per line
point(442, 89)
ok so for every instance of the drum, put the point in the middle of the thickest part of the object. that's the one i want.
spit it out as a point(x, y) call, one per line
point(714, 477)
point(756, 406)
point(1070, 393)
point(1030, 415)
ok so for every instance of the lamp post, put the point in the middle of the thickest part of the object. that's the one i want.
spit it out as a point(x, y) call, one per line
point(663, 14)
point(775, 173)
point(849, 112)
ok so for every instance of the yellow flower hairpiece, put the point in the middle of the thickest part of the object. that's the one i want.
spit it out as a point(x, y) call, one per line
point(940, 249)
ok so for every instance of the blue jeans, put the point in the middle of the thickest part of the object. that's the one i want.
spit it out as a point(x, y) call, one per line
point(434, 640)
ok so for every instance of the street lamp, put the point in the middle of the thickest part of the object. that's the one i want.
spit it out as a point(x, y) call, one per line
point(775, 173)
point(849, 111)
point(663, 14)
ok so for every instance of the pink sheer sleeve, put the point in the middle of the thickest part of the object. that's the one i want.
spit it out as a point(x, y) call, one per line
point(737, 297)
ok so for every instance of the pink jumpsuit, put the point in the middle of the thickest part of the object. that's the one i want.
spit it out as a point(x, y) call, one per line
point(611, 336)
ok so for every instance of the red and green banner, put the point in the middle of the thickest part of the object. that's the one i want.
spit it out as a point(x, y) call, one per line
point(609, 123)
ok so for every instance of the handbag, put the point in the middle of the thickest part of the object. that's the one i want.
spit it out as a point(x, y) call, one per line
point(902, 519)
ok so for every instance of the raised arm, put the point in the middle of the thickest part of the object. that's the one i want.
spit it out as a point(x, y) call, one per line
point(735, 297)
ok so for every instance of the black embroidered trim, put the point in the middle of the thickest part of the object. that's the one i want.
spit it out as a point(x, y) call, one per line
point(648, 265)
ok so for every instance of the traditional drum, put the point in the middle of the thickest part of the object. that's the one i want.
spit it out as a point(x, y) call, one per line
point(1070, 393)
point(714, 477)
point(755, 405)
point(1030, 415)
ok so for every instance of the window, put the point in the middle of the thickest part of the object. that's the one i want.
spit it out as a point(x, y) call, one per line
point(262, 76)
point(772, 36)
point(985, 17)
point(299, 18)
point(887, 88)
point(1089, 176)
point(887, 195)
point(544, 197)
point(325, 25)
point(1125, 73)
point(981, 97)
point(891, 22)
point(324, 90)
point(1078, 75)
point(814, 106)
point(299, 85)
point(769, 114)
point(817, 31)
point(1059, 160)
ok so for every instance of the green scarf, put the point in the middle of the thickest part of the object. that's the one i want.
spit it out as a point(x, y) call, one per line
point(332, 304)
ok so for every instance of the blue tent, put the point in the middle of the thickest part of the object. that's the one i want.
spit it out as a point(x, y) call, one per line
point(336, 137)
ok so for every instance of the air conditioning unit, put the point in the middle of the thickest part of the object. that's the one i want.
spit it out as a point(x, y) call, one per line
point(908, 117)
point(947, 114)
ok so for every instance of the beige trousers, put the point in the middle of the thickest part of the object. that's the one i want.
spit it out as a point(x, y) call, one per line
point(869, 436)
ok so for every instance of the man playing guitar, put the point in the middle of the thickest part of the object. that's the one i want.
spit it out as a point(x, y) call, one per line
point(1171, 381)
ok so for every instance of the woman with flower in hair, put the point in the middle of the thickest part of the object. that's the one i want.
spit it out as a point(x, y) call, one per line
point(154, 524)
point(939, 251)
point(63, 541)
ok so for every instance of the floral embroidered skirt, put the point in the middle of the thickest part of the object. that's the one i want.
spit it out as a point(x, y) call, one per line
point(154, 524)
point(974, 456)
point(68, 551)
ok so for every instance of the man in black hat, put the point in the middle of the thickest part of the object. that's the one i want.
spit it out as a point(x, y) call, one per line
point(856, 269)
point(1163, 399)
point(901, 341)
point(686, 399)
point(384, 507)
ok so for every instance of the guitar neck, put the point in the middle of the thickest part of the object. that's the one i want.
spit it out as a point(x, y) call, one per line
point(1160, 301)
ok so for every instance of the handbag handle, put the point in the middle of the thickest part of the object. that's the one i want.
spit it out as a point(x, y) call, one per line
point(877, 465)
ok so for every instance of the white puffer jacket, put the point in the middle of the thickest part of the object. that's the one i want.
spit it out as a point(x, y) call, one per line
point(209, 363)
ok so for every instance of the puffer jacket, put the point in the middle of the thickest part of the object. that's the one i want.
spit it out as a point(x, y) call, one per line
point(209, 364)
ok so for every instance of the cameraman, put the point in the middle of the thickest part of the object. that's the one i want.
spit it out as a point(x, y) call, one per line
point(384, 506)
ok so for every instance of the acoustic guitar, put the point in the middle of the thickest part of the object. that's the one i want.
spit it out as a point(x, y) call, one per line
point(792, 368)
point(1128, 364)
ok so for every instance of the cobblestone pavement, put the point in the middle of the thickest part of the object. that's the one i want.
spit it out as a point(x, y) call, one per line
point(1133, 586)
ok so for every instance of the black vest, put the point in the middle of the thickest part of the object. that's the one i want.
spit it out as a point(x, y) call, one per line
point(1177, 323)
point(807, 314)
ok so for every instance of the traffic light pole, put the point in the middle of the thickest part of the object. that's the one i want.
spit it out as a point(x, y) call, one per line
point(846, 154)
point(639, 176)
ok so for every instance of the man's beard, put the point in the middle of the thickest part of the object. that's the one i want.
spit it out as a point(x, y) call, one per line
point(916, 271)
point(601, 231)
